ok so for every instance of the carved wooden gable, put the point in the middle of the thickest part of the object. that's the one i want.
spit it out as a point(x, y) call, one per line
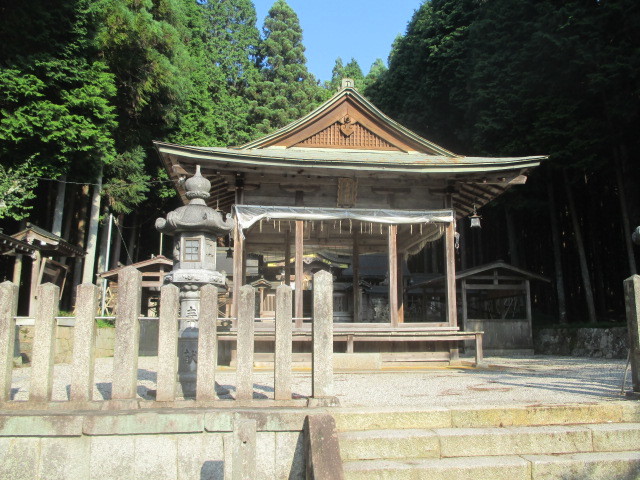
point(348, 121)
point(347, 133)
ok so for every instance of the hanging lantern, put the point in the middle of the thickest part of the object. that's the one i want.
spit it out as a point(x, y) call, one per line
point(475, 218)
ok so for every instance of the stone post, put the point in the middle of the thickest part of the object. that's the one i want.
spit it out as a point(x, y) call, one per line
point(632, 303)
point(322, 357)
point(44, 339)
point(243, 457)
point(125, 351)
point(8, 307)
point(244, 366)
point(84, 340)
point(168, 343)
point(283, 347)
point(207, 344)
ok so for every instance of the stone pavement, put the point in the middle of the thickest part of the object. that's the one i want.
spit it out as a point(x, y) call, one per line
point(526, 380)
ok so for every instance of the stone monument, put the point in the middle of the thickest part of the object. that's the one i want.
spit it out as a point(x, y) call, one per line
point(195, 228)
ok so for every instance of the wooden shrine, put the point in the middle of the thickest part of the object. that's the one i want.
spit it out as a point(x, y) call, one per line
point(349, 180)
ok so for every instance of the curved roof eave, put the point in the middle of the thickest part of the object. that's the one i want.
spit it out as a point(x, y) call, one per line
point(360, 160)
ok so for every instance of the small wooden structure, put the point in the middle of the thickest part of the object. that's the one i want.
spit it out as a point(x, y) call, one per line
point(42, 247)
point(153, 271)
point(494, 298)
point(348, 179)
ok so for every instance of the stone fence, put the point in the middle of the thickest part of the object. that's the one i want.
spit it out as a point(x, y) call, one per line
point(126, 348)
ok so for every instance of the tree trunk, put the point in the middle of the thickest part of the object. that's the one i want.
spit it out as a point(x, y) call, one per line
point(511, 236)
point(81, 231)
point(626, 225)
point(90, 258)
point(56, 229)
point(132, 238)
point(584, 270)
point(117, 243)
point(600, 294)
point(557, 255)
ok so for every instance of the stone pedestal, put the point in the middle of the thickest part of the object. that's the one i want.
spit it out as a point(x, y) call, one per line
point(195, 228)
point(632, 303)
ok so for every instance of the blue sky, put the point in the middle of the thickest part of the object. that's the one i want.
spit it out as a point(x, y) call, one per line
point(362, 29)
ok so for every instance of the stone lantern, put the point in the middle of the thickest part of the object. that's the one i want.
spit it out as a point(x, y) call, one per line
point(195, 228)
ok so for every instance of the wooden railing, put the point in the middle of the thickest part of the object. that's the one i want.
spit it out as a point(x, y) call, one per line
point(125, 362)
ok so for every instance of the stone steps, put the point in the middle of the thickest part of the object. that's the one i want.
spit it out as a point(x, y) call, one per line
point(577, 466)
point(590, 441)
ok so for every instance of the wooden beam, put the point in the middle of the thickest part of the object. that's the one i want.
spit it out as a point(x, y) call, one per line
point(393, 275)
point(287, 257)
point(400, 290)
point(450, 273)
point(299, 272)
point(355, 265)
point(238, 247)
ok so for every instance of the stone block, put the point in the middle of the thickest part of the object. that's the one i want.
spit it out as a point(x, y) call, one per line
point(266, 420)
point(322, 333)
point(168, 343)
point(591, 466)
point(125, 365)
point(459, 442)
point(322, 448)
point(207, 344)
point(349, 419)
point(632, 307)
point(616, 437)
point(144, 422)
point(376, 444)
point(8, 305)
point(63, 425)
point(200, 457)
point(357, 361)
point(64, 458)
point(84, 343)
point(245, 344)
point(243, 456)
point(113, 457)
point(283, 344)
point(44, 343)
point(479, 468)
point(289, 459)
point(499, 416)
point(266, 455)
point(156, 457)
point(19, 458)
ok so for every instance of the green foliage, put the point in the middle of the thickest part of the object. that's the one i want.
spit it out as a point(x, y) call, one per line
point(16, 190)
point(376, 72)
point(351, 70)
point(287, 90)
point(56, 114)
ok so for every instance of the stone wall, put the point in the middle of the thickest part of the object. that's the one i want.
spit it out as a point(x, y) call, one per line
point(582, 342)
point(189, 445)
point(105, 338)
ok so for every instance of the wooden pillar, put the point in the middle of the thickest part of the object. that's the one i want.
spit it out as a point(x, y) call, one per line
point(238, 247)
point(400, 291)
point(527, 299)
point(287, 257)
point(393, 275)
point(35, 280)
point(450, 273)
point(299, 271)
point(465, 306)
point(355, 265)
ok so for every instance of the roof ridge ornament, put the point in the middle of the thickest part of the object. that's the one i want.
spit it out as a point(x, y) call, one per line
point(347, 83)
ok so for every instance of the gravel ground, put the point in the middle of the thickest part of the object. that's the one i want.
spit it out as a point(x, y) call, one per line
point(513, 380)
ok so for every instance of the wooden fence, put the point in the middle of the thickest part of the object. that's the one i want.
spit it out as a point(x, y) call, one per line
point(125, 362)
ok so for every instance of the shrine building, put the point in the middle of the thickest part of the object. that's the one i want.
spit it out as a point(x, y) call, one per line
point(346, 181)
